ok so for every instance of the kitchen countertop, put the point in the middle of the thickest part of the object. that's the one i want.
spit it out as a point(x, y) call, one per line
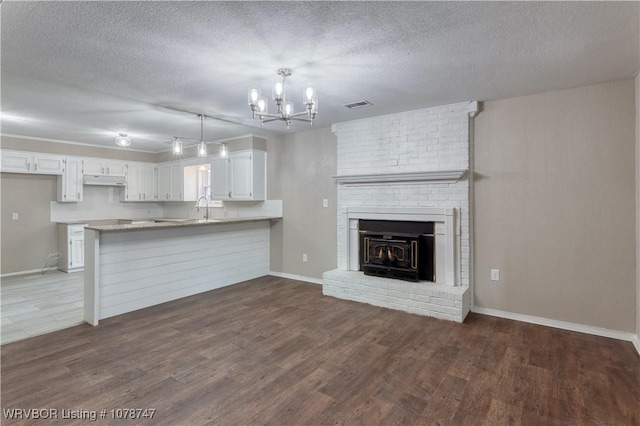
point(101, 222)
point(174, 223)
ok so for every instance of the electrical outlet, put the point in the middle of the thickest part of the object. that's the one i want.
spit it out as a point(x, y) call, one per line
point(14, 216)
point(305, 258)
point(325, 203)
point(495, 275)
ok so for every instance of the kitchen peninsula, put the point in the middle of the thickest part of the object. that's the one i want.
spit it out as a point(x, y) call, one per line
point(134, 266)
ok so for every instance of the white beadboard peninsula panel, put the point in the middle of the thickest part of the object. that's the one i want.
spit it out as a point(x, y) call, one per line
point(143, 268)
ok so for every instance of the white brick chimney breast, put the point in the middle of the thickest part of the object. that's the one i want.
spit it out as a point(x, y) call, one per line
point(409, 166)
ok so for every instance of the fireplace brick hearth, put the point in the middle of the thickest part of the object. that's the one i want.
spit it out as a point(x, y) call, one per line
point(423, 298)
point(411, 162)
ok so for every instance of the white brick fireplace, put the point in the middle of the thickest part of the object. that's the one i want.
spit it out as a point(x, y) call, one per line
point(410, 166)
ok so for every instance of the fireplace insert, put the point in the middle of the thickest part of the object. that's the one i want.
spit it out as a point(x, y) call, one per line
point(397, 249)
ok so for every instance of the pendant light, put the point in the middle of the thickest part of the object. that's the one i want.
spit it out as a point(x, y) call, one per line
point(224, 150)
point(177, 146)
point(202, 147)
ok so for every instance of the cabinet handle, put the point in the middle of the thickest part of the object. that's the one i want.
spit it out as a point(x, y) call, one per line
point(28, 166)
point(229, 194)
point(35, 167)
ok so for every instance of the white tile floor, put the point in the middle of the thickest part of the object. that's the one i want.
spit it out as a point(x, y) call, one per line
point(36, 304)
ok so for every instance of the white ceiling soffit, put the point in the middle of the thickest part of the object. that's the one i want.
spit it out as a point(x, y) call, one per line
point(85, 71)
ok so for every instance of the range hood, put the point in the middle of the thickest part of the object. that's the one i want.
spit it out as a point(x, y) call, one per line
point(104, 180)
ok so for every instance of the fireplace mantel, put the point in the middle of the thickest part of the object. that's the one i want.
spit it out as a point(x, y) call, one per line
point(445, 176)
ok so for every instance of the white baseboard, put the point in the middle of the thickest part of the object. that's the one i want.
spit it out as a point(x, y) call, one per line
point(636, 343)
point(11, 274)
point(597, 331)
point(296, 277)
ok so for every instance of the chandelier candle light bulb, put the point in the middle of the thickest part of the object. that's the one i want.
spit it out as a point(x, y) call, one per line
point(254, 95)
point(277, 92)
point(308, 98)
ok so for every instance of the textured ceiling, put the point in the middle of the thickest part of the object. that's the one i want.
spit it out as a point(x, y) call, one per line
point(83, 71)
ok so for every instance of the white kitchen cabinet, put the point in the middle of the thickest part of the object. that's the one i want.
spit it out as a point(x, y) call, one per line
point(142, 182)
point(16, 162)
point(220, 179)
point(28, 162)
point(70, 183)
point(149, 182)
point(132, 190)
point(71, 247)
point(48, 164)
point(241, 177)
point(104, 167)
point(170, 182)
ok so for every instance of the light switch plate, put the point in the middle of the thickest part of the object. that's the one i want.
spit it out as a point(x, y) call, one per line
point(14, 216)
point(325, 203)
point(305, 258)
point(495, 275)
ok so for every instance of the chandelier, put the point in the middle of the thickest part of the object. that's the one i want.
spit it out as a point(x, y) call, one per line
point(176, 145)
point(284, 111)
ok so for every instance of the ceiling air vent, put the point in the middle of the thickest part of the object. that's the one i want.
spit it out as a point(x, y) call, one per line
point(359, 104)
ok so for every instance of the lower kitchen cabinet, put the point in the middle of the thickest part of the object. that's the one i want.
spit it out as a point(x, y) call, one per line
point(71, 246)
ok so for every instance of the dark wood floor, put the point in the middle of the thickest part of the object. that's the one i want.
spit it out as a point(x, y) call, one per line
point(275, 351)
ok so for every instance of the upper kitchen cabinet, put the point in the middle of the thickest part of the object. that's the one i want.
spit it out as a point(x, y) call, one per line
point(103, 167)
point(142, 182)
point(171, 183)
point(29, 162)
point(241, 177)
point(70, 183)
point(187, 180)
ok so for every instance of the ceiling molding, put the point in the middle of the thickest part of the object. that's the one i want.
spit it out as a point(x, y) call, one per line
point(91, 145)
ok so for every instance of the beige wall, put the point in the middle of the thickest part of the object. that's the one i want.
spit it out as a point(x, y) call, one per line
point(33, 145)
point(637, 80)
point(300, 169)
point(555, 205)
point(27, 241)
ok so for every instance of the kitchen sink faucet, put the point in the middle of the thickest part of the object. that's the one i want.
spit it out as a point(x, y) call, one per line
point(206, 211)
